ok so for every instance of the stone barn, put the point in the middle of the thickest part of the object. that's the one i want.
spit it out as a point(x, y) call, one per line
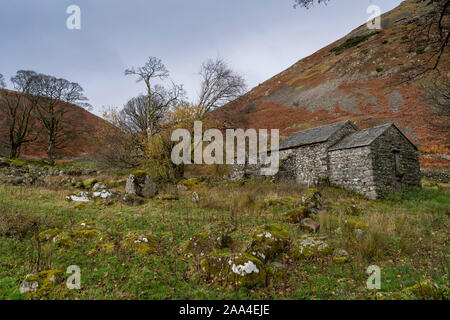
point(374, 161)
point(370, 162)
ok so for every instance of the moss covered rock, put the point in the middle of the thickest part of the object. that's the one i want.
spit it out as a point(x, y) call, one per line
point(89, 183)
point(39, 285)
point(267, 242)
point(63, 239)
point(239, 269)
point(296, 215)
point(214, 236)
point(341, 256)
point(190, 183)
point(140, 242)
point(310, 246)
point(353, 225)
point(313, 200)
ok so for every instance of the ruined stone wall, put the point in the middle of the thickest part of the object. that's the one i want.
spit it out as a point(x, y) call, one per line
point(352, 169)
point(387, 177)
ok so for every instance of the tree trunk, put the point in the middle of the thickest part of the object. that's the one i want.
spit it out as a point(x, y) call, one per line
point(50, 151)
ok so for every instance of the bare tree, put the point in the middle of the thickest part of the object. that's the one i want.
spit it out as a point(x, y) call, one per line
point(219, 85)
point(54, 99)
point(307, 3)
point(438, 94)
point(153, 69)
point(19, 105)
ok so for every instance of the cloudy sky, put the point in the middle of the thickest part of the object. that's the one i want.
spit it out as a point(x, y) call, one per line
point(258, 38)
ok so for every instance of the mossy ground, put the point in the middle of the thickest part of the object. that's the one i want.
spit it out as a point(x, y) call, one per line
point(407, 237)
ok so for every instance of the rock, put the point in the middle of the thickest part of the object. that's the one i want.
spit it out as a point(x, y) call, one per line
point(181, 187)
point(40, 284)
point(215, 236)
point(195, 197)
point(140, 242)
point(313, 200)
point(139, 183)
point(341, 256)
point(310, 246)
point(238, 269)
point(268, 242)
point(296, 215)
point(105, 194)
point(89, 183)
point(99, 187)
point(80, 197)
point(310, 224)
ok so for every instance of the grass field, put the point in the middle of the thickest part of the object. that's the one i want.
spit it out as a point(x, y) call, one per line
point(407, 237)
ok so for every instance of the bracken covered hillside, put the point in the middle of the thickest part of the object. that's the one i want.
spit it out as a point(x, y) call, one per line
point(81, 141)
point(360, 77)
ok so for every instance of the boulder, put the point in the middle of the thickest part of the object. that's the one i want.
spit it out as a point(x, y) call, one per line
point(40, 284)
point(79, 197)
point(239, 269)
point(310, 246)
point(99, 187)
point(139, 183)
point(341, 256)
point(267, 242)
point(215, 236)
point(313, 200)
point(140, 242)
point(296, 215)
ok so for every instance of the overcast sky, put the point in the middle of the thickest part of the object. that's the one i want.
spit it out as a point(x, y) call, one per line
point(258, 38)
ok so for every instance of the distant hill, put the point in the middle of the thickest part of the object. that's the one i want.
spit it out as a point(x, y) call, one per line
point(359, 77)
point(82, 143)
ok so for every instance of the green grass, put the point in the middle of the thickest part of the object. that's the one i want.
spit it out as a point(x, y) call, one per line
point(407, 238)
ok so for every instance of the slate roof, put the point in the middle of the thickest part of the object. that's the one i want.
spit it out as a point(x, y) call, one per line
point(314, 135)
point(364, 137)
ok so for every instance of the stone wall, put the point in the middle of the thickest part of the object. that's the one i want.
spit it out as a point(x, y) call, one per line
point(309, 164)
point(387, 177)
point(352, 170)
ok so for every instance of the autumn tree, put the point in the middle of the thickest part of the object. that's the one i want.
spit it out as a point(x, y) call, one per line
point(18, 105)
point(126, 142)
point(55, 98)
point(219, 85)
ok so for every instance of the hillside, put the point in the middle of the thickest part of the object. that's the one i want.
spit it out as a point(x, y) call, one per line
point(82, 142)
point(360, 77)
